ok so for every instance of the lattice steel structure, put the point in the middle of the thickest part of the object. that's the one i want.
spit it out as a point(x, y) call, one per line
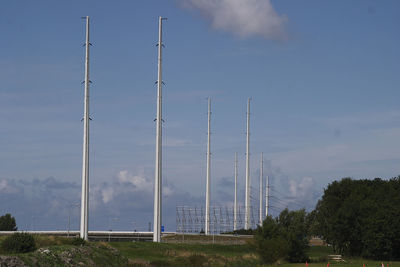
point(191, 219)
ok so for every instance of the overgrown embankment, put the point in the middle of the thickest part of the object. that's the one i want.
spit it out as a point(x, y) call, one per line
point(58, 251)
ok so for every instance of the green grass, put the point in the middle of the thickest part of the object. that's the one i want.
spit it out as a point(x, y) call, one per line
point(320, 251)
point(188, 254)
point(167, 254)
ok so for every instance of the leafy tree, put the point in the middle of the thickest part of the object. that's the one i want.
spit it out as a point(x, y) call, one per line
point(294, 228)
point(269, 241)
point(283, 237)
point(7, 223)
point(361, 217)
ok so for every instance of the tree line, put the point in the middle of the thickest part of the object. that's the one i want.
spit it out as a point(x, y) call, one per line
point(358, 218)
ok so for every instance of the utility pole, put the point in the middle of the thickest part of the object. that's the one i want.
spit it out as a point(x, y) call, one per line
point(261, 189)
point(158, 177)
point(266, 197)
point(247, 199)
point(85, 161)
point(207, 226)
point(235, 202)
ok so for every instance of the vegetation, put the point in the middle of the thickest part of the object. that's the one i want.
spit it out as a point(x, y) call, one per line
point(283, 237)
point(60, 251)
point(360, 218)
point(18, 243)
point(172, 254)
point(296, 233)
point(7, 223)
point(243, 232)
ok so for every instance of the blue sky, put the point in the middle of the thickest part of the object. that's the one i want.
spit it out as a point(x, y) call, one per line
point(323, 77)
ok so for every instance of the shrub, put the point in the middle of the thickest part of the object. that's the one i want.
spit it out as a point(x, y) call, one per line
point(269, 241)
point(77, 241)
point(271, 250)
point(19, 243)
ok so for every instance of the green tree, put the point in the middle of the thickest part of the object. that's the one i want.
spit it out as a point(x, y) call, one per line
point(361, 217)
point(269, 241)
point(7, 223)
point(294, 229)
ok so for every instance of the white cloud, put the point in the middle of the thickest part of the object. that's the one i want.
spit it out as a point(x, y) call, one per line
point(107, 194)
point(167, 191)
point(301, 189)
point(139, 182)
point(3, 185)
point(243, 18)
point(7, 188)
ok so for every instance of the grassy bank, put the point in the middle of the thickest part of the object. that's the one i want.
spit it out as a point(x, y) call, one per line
point(58, 251)
point(165, 254)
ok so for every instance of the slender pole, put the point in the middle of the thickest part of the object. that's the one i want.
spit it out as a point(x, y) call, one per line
point(69, 220)
point(158, 176)
point(235, 202)
point(261, 189)
point(247, 199)
point(85, 161)
point(266, 196)
point(207, 226)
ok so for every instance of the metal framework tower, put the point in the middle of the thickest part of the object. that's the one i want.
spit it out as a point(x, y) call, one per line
point(85, 160)
point(261, 189)
point(207, 220)
point(266, 196)
point(247, 197)
point(235, 201)
point(158, 161)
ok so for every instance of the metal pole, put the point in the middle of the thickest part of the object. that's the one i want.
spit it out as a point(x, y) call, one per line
point(235, 203)
point(261, 189)
point(207, 226)
point(85, 161)
point(69, 219)
point(247, 199)
point(266, 197)
point(158, 176)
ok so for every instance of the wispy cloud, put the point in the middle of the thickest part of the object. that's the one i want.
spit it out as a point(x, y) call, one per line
point(45, 204)
point(243, 18)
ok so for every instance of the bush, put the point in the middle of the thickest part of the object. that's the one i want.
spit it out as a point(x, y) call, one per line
point(283, 237)
point(19, 243)
point(271, 250)
point(244, 232)
point(77, 241)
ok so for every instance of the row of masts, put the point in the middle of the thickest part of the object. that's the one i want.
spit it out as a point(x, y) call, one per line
point(158, 159)
point(85, 155)
point(247, 222)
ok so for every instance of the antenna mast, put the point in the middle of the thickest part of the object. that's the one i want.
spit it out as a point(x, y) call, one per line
point(85, 160)
point(158, 177)
point(207, 226)
point(266, 197)
point(247, 199)
point(235, 201)
point(261, 189)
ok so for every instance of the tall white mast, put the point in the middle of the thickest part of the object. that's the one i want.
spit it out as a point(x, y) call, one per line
point(266, 197)
point(247, 199)
point(261, 188)
point(85, 160)
point(158, 177)
point(207, 226)
point(235, 202)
